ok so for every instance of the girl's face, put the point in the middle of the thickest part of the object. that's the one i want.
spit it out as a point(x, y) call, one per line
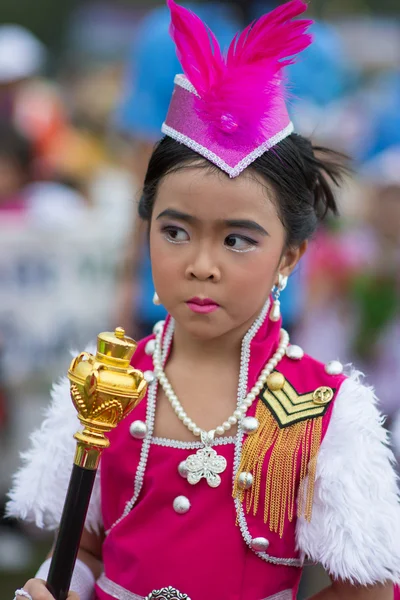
point(217, 246)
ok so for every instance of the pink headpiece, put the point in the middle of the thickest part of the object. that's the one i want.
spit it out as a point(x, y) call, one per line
point(231, 109)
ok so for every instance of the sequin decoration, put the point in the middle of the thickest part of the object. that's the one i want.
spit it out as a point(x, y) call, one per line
point(168, 593)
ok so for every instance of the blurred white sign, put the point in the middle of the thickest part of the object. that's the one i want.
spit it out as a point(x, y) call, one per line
point(56, 293)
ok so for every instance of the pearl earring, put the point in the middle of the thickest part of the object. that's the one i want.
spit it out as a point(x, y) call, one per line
point(156, 299)
point(275, 313)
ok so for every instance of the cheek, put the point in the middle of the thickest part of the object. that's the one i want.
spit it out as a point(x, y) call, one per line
point(165, 263)
point(256, 272)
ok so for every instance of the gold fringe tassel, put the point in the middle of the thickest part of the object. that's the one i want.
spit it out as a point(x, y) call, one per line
point(280, 488)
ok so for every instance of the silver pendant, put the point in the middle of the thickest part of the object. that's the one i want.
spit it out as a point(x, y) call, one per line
point(168, 593)
point(206, 463)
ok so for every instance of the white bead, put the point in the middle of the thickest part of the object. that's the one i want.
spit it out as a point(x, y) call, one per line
point(260, 544)
point(334, 368)
point(186, 421)
point(245, 480)
point(294, 352)
point(275, 313)
point(197, 431)
point(158, 327)
point(238, 414)
point(181, 415)
point(191, 426)
point(182, 469)
point(250, 425)
point(138, 429)
point(251, 396)
point(150, 347)
point(149, 376)
point(232, 420)
point(226, 425)
point(181, 505)
point(219, 430)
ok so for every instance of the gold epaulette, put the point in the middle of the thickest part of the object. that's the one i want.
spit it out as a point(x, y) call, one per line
point(290, 428)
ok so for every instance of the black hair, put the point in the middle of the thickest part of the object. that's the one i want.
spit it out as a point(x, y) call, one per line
point(16, 147)
point(301, 174)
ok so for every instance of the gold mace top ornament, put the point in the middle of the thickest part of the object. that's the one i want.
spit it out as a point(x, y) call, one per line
point(104, 390)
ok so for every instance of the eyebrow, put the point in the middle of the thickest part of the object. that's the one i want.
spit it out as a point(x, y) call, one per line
point(238, 223)
point(177, 214)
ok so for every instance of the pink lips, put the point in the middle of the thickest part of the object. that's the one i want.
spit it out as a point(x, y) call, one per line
point(202, 306)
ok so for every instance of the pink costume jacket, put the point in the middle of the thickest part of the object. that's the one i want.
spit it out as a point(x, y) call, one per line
point(209, 551)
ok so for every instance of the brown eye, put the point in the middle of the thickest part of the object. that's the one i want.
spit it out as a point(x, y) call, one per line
point(240, 243)
point(175, 235)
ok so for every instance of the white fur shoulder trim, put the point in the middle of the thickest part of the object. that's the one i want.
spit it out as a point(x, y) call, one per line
point(40, 486)
point(355, 527)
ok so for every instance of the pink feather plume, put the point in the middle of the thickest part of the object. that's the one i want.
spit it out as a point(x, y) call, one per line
point(244, 83)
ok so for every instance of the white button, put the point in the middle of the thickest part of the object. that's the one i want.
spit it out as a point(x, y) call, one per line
point(149, 376)
point(182, 469)
point(245, 480)
point(138, 429)
point(260, 544)
point(250, 425)
point(294, 352)
point(150, 346)
point(334, 368)
point(181, 505)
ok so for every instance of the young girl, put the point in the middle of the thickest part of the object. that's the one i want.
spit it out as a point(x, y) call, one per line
point(247, 457)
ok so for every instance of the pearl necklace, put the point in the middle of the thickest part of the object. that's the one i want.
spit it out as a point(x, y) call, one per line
point(206, 463)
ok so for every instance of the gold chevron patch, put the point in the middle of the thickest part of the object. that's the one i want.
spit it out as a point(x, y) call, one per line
point(289, 407)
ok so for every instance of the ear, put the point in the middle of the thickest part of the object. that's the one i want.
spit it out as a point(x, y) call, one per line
point(291, 257)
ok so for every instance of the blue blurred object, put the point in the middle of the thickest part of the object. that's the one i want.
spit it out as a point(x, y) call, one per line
point(322, 73)
point(292, 299)
point(146, 311)
point(385, 115)
point(153, 65)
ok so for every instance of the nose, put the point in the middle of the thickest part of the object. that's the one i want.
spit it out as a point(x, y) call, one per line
point(203, 266)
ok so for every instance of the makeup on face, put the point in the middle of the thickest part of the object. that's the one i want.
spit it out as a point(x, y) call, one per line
point(215, 246)
point(202, 306)
point(237, 235)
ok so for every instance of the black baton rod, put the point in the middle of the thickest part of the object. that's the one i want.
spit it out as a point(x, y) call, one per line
point(104, 389)
point(70, 531)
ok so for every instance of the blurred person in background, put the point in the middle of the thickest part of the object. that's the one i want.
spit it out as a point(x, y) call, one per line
point(22, 57)
point(354, 284)
point(377, 288)
point(22, 196)
point(16, 170)
point(35, 126)
point(28, 101)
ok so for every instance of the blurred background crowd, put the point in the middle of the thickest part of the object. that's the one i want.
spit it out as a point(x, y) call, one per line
point(84, 88)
